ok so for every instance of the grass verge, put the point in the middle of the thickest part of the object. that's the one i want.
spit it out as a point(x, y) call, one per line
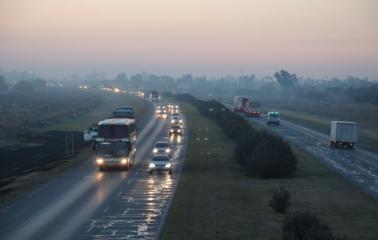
point(109, 102)
point(215, 198)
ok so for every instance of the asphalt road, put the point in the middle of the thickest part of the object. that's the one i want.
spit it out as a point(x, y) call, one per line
point(83, 203)
point(358, 165)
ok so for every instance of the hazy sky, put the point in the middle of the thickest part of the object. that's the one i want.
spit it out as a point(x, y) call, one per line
point(214, 37)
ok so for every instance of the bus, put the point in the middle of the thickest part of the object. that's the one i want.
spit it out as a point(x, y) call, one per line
point(115, 136)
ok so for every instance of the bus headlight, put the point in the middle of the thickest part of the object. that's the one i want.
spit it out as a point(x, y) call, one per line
point(99, 161)
point(151, 165)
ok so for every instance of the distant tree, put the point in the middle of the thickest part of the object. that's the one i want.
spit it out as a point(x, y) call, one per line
point(122, 77)
point(39, 83)
point(3, 85)
point(286, 79)
point(187, 78)
point(247, 81)
point(24, 86)
point(136, 80)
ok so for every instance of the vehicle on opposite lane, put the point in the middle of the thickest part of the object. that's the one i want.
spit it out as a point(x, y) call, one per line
point(273, 118)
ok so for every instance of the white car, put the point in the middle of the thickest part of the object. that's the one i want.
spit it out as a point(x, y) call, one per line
point(176, 119)
point(160, 164)
point(273, 118)
point(161, 148)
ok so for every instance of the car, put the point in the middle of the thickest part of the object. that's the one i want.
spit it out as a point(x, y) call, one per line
point(175, 129)
point(161, 148)
point(273, 118)
point(254, 114)
point(173, 108)
point(176, 119)
point(160, 164)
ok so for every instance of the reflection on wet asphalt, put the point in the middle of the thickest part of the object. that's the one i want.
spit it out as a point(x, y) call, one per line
point(83, 203)
point(360, 168)
point(136, 213)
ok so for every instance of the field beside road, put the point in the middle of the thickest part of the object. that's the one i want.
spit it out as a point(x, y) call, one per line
point(28, 149)
point(216, 199)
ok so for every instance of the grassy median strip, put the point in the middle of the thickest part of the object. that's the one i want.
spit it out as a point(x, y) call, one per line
point(216, 199)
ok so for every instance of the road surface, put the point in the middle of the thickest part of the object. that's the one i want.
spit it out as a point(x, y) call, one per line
point(83, 203)
point(358, 165)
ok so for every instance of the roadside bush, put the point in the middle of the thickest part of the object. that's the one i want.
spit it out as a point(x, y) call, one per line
point(306, 226)
point(280, 201)
point(263, 154)
point(272, 158)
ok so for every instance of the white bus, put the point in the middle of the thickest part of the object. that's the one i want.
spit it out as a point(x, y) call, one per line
point(112, 134)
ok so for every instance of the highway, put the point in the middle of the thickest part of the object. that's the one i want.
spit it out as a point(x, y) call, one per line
point(358, 165)
point(83, 203)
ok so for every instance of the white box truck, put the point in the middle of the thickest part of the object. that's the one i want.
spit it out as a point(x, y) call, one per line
point(343, 134)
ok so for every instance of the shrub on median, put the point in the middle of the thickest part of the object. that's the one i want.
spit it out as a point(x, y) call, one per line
point(306, 226)
point(280, 201)
point(263, 154)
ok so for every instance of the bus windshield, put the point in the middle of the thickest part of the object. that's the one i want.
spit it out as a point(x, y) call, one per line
point(112, 149)
point(113, 131)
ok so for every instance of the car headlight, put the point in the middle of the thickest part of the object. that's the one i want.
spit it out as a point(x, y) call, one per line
point(171, 130)
point(167, 150)
point(180, 121)
point(152, 165)
point(155, 150)
point(179, 130)
point(168, 165)
point(99, 161)
point(123, 161)
point(172, 121)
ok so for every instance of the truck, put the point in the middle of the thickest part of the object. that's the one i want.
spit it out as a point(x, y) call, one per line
point(154, 96)
point(343, 134)
point(241, 104)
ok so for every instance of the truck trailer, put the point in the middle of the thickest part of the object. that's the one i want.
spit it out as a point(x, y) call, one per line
point(241, 104)
point(343, 134)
